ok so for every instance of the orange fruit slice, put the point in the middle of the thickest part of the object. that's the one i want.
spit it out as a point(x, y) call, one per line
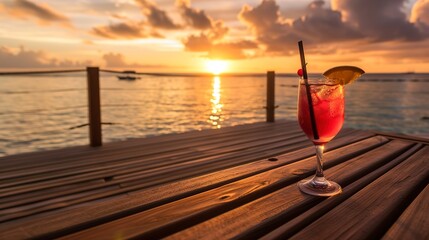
point(343, 74)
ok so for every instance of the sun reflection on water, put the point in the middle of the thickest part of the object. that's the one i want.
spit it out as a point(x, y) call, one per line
point(216, 117)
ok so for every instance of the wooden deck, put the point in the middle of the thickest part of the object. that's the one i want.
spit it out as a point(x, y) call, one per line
point(237, 182)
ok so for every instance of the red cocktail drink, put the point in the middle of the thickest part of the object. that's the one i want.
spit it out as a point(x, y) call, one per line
point(321, 116)
point(328, 107)
point(327, 104)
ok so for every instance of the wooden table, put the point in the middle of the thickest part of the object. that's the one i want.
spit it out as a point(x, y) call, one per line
point(237, 182)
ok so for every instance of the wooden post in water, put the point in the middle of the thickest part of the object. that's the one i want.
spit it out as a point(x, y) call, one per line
point(270, 96)
point(94, 109)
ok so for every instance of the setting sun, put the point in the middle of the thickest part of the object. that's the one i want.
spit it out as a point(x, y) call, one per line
point(216, 67)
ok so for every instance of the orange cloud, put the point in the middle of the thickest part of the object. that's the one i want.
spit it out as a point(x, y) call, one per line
point(34, 59)
point(42, 13)
point(117, 60)
point(156, 17)
point(211, 38)
point(348, 22)
point(319, 25)
point(122, 30)
point(420, 14)
point(194, 17)
point(211, 42)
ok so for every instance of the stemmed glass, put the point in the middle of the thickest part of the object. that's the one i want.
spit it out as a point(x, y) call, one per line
point(327, 104)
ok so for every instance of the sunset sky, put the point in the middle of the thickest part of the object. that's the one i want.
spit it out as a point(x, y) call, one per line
point(181, 36)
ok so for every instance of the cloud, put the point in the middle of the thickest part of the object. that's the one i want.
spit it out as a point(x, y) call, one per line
point(156, 17)
point(264, 17)
point(198, 43)
point(381, 20)
point(194, 17)
point(268, 27)
point(120, 16)
point(211, 39)
point(349, 21)
point(42, 13)
point(319, 25)
point(117, 60)
point(212, 43)
point(123, 30)
point(34, 59)
point(226, 50)
point(232, 50)
point(420, 15)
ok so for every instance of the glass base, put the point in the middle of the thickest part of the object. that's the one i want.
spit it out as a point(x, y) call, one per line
point(319, 186)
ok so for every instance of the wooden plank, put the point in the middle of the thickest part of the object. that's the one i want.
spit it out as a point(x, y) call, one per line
point(161, 177)
point(82, 154)
point(221, 160)
point(83, 151)
point(414, 221)
point(403, 137)
point(202, 134)
point(160, 221)
point(292, 226)
point(32, 199)
point(124, 153)
point(50, 179)
point(368, 213)
point(72, 168)
point(152, 150)
point(246, 221)
point(145, 182)
point(212, 165)
point(142, 180)
point(73, 218)
point(106, 151)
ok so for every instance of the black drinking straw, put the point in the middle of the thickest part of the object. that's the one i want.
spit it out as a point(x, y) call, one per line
point(307, 88)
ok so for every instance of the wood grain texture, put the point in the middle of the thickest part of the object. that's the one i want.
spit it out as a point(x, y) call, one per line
point(413, 222)
point(143, 178)
point(236, 182)
point(30, 160)
point(162, 154)
point(169, 217)
point(286, 230)
point(366, 214)
point(129, 165)
point(102, 155)
point(145, 182)
point(285, 203)
point(44, 223)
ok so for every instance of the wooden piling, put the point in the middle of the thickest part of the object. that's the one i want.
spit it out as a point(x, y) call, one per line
point(94, 109)
point(270, 96)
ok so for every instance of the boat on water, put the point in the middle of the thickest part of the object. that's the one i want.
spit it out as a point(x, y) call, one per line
point(127, 76)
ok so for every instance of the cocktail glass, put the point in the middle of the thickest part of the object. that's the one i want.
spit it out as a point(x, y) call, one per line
point(327, 100)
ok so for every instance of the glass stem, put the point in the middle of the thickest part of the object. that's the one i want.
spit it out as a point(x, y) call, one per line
point(319, 159)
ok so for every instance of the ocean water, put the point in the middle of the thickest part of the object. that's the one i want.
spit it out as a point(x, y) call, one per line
point(44, 111)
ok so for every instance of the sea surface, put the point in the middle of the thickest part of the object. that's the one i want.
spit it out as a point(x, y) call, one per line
point(41, 112)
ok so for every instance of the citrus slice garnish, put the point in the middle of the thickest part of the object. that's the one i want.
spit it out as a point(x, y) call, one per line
point(343, 74)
